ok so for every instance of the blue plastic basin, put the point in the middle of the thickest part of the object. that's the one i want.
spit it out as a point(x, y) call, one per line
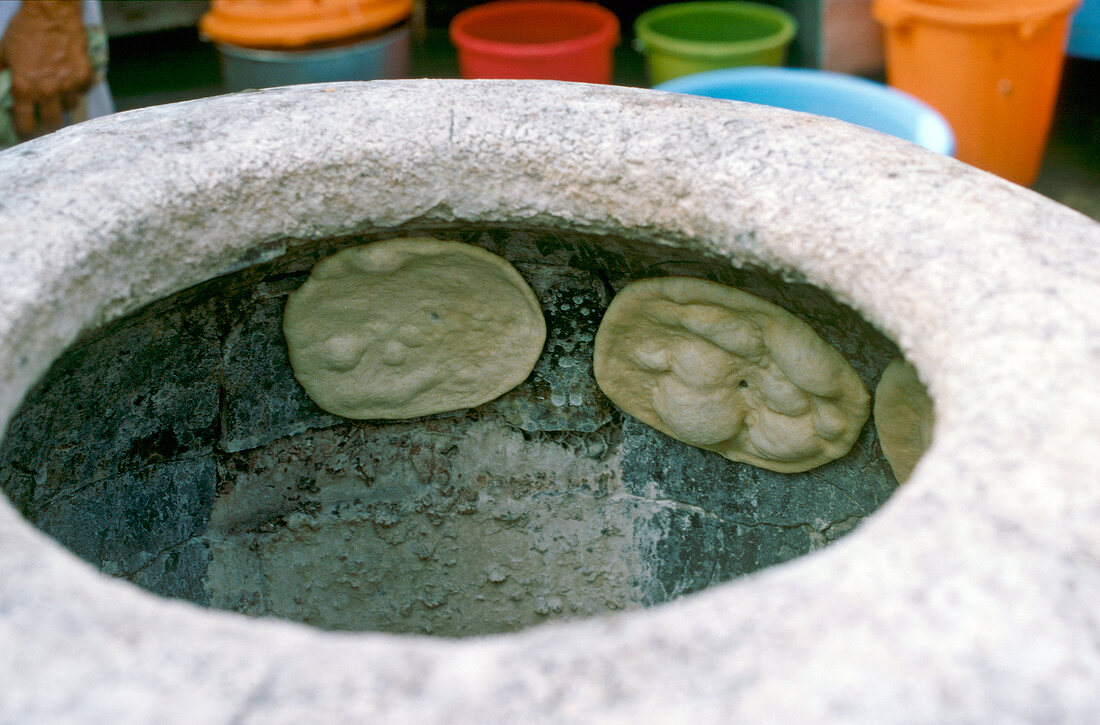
point(836, 95)
point(1084, 34)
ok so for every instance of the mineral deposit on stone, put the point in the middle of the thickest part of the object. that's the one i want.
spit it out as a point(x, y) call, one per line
point(410, 327)
point(726, 371)
point(903, 417)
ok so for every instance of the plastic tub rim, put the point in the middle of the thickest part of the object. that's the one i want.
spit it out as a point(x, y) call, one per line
point(647, 40)
point(606, 35)
point(933, 131)
point(978, 12)
point(683, 47)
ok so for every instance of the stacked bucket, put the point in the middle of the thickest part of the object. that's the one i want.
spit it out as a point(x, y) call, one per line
point(265, 43)
point(991, 67)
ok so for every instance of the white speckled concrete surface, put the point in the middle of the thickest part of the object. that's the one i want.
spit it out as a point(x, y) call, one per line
point(985, 610)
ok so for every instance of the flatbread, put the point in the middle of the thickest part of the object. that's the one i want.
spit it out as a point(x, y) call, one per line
point(904, 417)
point(726, 371)
point(410, 327)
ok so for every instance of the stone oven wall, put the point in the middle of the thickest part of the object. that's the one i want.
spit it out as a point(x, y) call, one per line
point(969, 596)
point(174, 448)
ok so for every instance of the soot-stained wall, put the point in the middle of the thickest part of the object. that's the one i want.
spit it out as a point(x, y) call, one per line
point(175, 449)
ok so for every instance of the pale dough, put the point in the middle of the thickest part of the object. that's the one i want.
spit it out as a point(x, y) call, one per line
point(410, 327)
point(724, 370)
point(903, 417)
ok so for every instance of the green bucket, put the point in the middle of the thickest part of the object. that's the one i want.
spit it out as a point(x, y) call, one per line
point(692, 37)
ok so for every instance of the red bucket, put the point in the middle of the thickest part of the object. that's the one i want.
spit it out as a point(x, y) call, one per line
point(561, 40)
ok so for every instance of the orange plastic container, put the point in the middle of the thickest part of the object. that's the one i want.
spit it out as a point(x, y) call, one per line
point(991, 67)
point(561, 40)
point(281, 24)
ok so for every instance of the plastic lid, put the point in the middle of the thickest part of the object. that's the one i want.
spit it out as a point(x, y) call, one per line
point(298, 23)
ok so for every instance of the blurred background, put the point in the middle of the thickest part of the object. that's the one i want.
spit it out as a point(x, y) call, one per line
point(159, 54)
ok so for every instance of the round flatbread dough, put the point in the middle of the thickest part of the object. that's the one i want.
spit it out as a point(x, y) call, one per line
point(410, 327)
point(723, 370)
point(903, 417)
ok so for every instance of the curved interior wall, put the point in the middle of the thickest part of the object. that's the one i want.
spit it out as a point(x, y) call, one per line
point(173, 448)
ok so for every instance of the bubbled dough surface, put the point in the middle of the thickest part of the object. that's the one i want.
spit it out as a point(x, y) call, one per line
point(724, 370)
point(903, 417)
point(410, 327)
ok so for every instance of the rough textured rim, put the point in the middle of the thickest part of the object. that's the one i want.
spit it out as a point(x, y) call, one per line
point(970, 596)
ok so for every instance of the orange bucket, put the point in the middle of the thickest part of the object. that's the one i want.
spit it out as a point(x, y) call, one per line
point(991, 67)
